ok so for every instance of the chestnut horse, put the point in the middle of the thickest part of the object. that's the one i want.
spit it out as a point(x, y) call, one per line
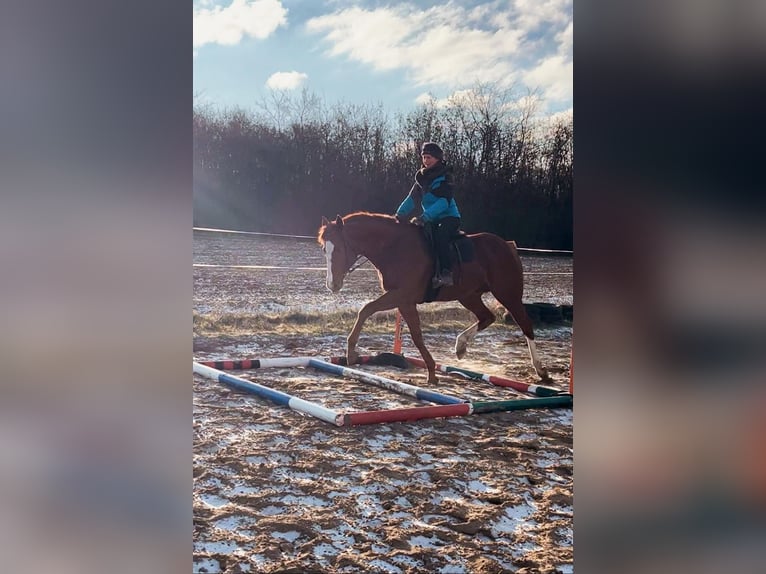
point(401, 255)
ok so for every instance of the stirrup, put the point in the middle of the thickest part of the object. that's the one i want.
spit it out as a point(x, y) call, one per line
point(442, 280)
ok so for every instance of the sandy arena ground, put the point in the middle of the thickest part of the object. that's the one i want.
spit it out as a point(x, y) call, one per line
point(278, 491)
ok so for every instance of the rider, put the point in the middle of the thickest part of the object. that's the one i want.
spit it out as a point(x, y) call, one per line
point(433, 188)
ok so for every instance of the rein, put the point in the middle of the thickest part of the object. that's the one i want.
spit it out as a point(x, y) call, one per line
point(357, 263)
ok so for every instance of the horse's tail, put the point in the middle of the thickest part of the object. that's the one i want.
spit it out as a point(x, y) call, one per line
point(512, 300)
point(515, 253)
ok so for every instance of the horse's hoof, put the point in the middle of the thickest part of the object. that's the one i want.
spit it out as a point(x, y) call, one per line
point(352, 358)
point(543, 374)
point(433, 381)
point(460, 351)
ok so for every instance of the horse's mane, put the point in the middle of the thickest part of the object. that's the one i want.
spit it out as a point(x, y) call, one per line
point(359, 216)
point(367, 214)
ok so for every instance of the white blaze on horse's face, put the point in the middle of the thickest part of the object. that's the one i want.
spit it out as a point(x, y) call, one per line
point(328, 249)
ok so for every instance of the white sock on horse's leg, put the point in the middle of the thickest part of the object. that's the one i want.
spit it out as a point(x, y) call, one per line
point(461, 343)
point(539, 369)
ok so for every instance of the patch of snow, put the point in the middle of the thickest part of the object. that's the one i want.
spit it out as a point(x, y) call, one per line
point(526, 436)
point(453, 569)
point(222, 547)
point(211, 481)
point(522, 549)
point(405, 560)
point(240, 489)
point(380, 442)
point(546, 459)
point(305, 500)
point(384, 566)
point(206, 565)
point(213, 501)
point(429, 518)
point(322, 550)
point(513, 520)
point(478, 486)
point(284, 473)
point(320, 437)
point(280, 442)
point(396, 454)
point(363, 489)
point(290, 535)
point(233, 523)
point(256, 460)
point(440, 497)
point(341, 540)
point(369, 505)
point(556, 478)
point(425, 541)
point(267, 428)
point(224, 470)
point(566, 534)
point(507, 564)
point(272, 510)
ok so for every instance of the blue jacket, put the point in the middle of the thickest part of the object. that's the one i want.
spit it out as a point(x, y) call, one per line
point(434, 190)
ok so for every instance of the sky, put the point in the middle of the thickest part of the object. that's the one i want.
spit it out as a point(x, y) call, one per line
point(396, 54)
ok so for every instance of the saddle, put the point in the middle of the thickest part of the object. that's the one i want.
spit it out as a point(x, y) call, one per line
point(461, 248)
point(461, 251)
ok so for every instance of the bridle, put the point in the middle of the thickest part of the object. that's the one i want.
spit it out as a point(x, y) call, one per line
point(359, 259)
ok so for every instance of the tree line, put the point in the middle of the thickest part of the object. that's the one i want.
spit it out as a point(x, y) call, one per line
point(281, 167)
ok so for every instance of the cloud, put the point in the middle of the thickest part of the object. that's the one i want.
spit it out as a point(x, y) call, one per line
point(456, 97)
point(427, 98)
point(449, 46)
point(228, 25)
point(553, 74)
point(286, 80)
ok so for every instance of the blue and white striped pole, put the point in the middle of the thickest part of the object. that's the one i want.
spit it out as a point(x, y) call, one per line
point(277, 397)
point(390, 384)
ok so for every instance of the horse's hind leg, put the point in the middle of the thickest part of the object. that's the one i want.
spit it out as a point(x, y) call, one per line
point(516, 308)
point(411, 316)
point(485, 318)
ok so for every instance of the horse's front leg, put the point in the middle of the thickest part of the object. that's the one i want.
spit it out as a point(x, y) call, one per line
point(389, 300)
point(410, 315)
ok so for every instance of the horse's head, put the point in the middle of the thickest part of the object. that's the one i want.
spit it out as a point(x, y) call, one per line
point(339, 256)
